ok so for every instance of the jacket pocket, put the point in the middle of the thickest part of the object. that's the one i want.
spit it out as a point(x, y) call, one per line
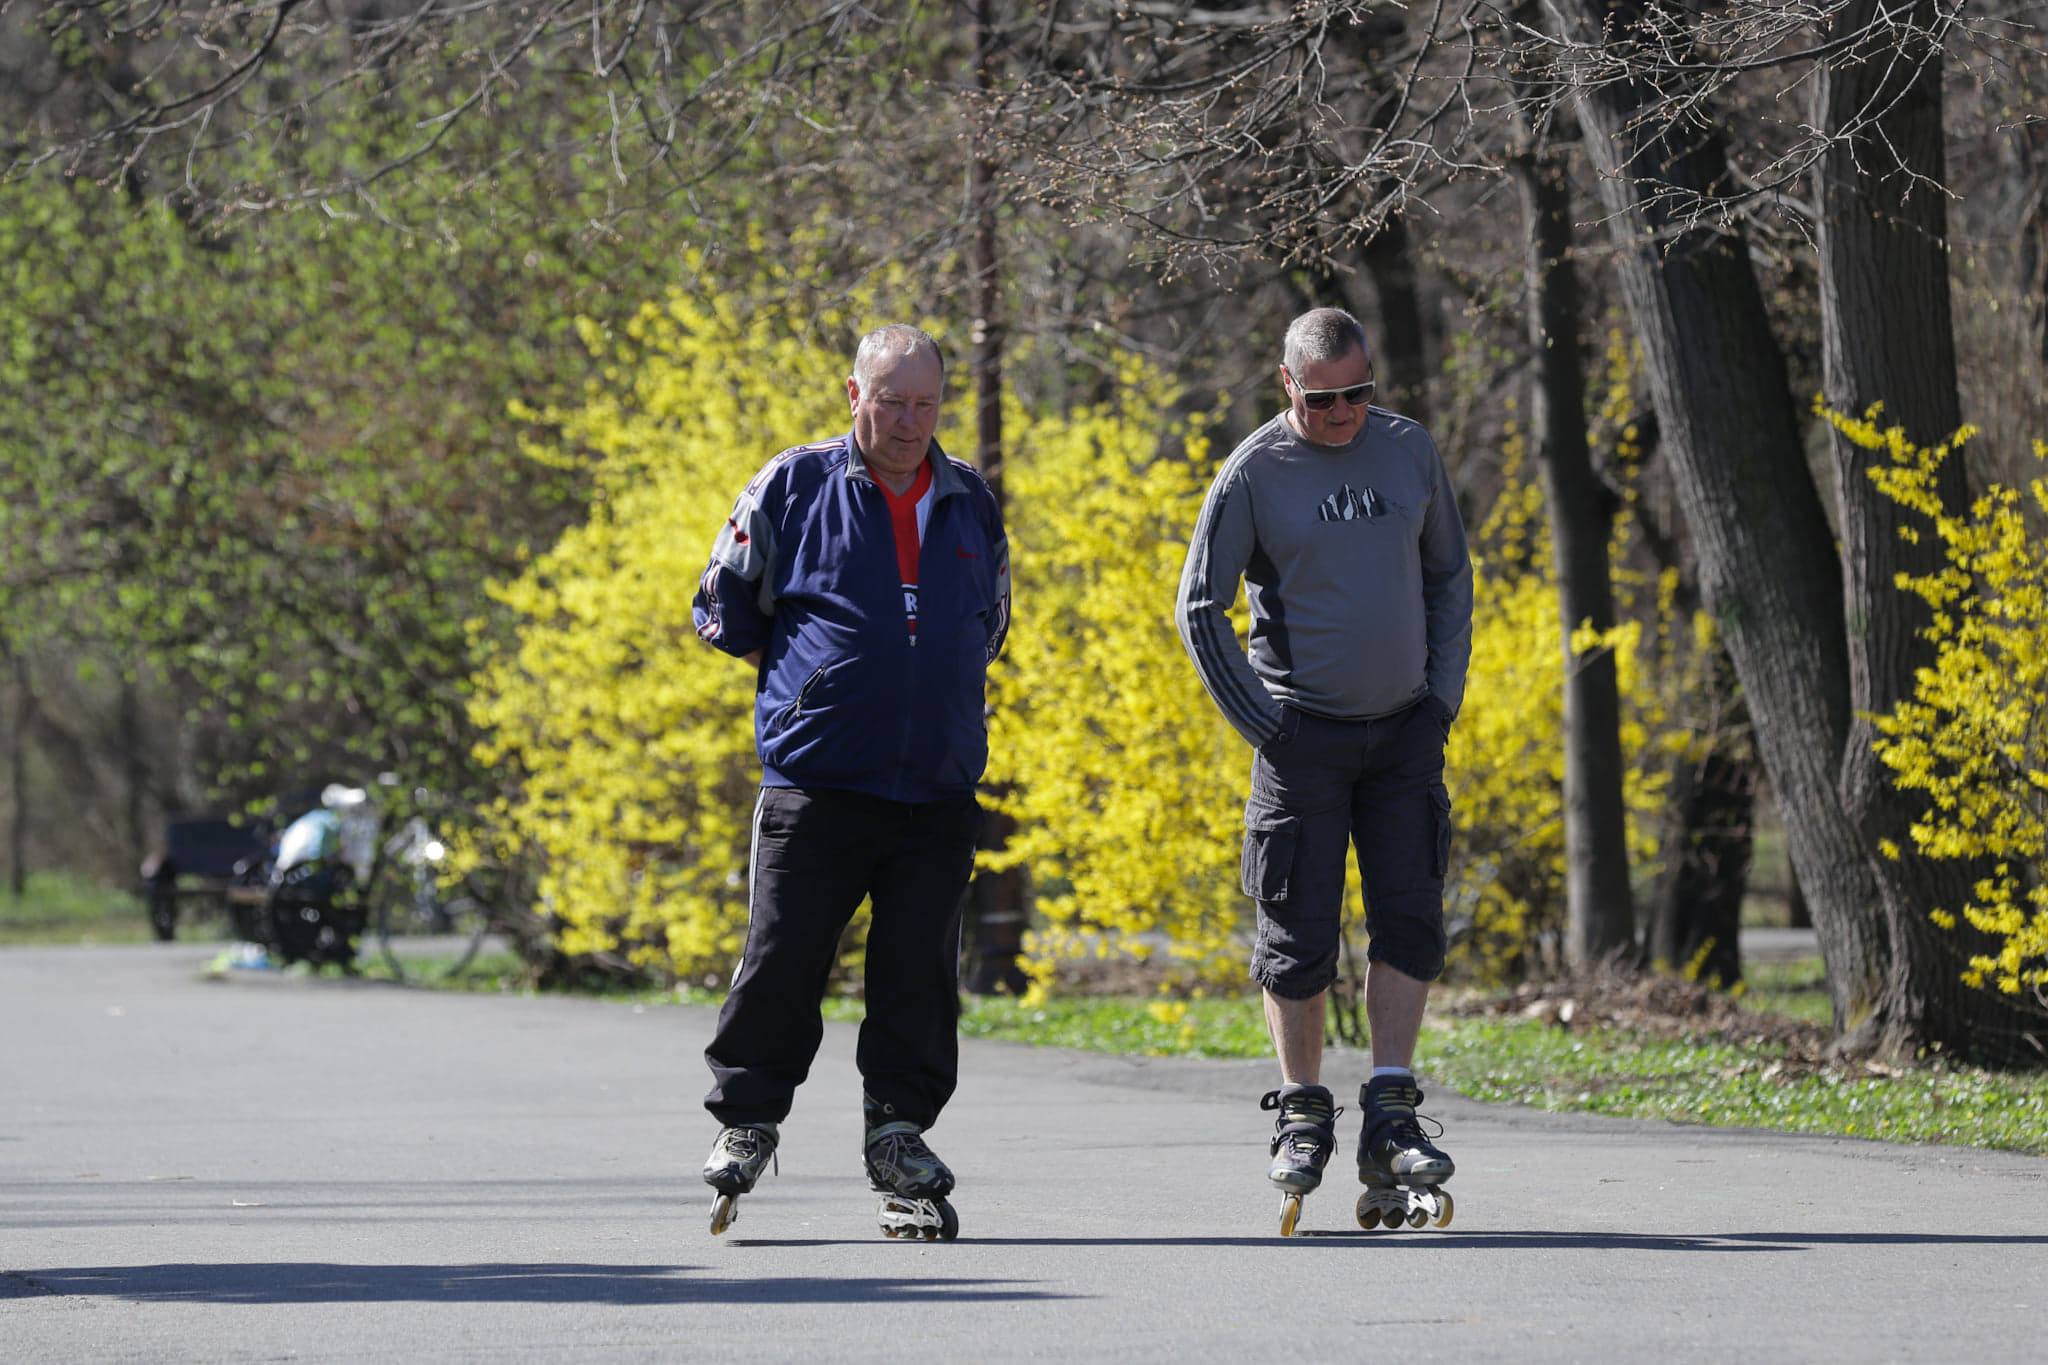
point(1270, 835)
point(804, 698)
point(1440, 807)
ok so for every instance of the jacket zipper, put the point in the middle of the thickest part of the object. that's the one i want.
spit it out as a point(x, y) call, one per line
point(787, 716)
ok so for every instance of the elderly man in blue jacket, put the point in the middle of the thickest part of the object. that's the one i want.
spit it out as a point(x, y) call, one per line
point(867, 580)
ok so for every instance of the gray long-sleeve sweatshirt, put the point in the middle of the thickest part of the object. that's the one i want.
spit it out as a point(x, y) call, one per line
point(1355, 566)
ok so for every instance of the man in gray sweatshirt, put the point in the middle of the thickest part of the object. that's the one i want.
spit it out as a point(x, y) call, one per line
point(1339, 519)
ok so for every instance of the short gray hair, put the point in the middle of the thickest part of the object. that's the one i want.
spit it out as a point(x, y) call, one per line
point(1322, 334)
point(884, 343)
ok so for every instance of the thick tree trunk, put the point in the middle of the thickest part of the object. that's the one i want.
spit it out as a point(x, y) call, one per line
point(1887, 337)
point(996, 901)
point(1404, 366)
point(1599, 907)
point(1768, 568)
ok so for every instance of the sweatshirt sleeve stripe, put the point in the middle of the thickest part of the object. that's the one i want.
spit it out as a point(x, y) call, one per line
point(1205, 626)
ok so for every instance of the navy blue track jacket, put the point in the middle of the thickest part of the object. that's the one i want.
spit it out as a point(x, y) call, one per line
point(848, 698)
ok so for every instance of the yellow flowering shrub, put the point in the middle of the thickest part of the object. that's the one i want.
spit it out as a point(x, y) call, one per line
point(1127, 784)
point(628, 743)
point(1974, 736)
point(1505, 763)
point(626, 746)
point(1125, 781)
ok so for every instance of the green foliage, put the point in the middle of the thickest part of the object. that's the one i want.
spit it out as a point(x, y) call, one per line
point(277, 461)
point(1973, 738)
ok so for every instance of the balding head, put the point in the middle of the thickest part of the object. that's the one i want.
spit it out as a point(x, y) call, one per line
point(897, 385)
point(885, 344)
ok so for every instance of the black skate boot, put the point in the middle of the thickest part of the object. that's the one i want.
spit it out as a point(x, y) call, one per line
point(1304, 1140)
point(735, 1163)
point(909, 1176)
point(1402, 1169)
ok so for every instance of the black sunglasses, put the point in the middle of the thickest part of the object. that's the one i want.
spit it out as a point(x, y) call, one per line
point(1321, 400)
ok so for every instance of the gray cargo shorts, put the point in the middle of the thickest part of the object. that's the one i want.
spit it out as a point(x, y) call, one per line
point(1377, 785)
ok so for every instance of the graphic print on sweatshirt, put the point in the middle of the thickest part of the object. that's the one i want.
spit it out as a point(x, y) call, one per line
point(1349, 504)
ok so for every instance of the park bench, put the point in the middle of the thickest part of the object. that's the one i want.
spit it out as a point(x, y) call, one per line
point(208, 859)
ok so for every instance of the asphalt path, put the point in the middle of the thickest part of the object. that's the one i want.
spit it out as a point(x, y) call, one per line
point(270, 1167)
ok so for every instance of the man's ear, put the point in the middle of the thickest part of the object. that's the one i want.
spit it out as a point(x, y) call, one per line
point(852, 393)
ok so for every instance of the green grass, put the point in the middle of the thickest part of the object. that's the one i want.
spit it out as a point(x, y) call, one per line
point(1150, 1028)
point(1620, 1072)
point(1515, 1060)
point(1797, 989)
point(55, 908)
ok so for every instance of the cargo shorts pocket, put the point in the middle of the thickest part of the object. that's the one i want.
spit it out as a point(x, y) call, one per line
point(1269, 838)
point(1440, 809)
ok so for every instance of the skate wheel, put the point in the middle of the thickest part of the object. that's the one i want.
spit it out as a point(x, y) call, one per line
point(725, 1211)
point(949, 1222)
point(1368, 1213)
point(1290, 1214)
point(1417, 1217)
point(1443, 1208)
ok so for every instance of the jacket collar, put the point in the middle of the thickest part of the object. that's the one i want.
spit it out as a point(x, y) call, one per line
point(946, 480)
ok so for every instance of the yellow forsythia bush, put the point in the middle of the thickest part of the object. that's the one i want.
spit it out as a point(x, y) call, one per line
point(1505, 764)
point(1129, 787)
point(630, 740)
point(1126, 783)
point(627, 745)
point(1974, 735)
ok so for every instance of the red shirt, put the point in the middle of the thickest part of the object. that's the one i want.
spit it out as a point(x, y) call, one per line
point(903, 518)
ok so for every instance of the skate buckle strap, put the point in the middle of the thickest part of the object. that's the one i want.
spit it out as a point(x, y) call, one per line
point(1304, 1135)
point(1307, 1120)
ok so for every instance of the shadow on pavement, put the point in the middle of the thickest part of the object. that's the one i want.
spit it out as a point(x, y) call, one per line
point(1450, 1238)
point(625, 1285)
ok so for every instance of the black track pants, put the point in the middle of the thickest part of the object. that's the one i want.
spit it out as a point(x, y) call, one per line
point(816, 856)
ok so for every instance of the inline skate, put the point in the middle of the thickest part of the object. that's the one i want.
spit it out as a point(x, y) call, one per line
point(1304, 1140)
point(735, 1163)
point(1402, 1170)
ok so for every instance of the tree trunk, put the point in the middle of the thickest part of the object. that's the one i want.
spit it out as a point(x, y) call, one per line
point(1405, 367)
point(1599, 907)
point(1886, 336)
point(1768, 569)
point(1798, 914)
point(134, 772)
point(17, 832)
point(1710, 838)
point(1696, 911)
point(996, 900)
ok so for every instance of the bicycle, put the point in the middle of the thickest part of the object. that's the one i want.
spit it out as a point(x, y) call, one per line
point(419, 911)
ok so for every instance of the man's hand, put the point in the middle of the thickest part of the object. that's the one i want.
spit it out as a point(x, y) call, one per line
point(1290, 725)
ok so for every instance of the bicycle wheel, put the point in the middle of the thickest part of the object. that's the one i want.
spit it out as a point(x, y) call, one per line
point(440, 938)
